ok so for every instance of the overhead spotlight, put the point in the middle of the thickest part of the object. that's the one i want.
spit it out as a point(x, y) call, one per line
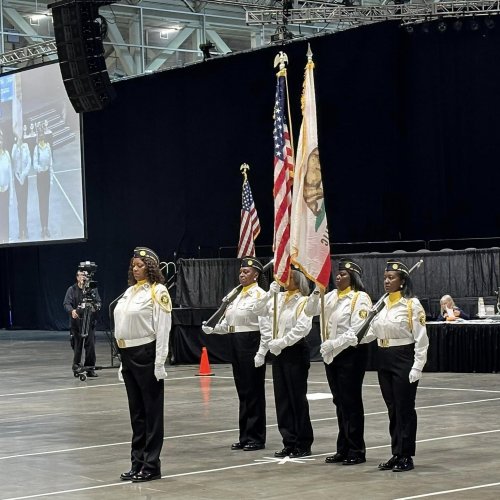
point(489, 23)
point(425, 27)
point(441, 26)
point(409, 28)
point(474, 25)
point(458, 25)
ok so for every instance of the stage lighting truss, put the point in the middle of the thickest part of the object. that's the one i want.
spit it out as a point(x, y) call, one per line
point(349, 17)
point(29, 53)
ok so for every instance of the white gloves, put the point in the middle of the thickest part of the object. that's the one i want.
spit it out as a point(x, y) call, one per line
point(414, 375)
point(259, 360)
point(207, 329)
point(274, 288)
point(326, 347)
point(120, 374)
point(276, 346)
point(160, 372)
point(331, 348)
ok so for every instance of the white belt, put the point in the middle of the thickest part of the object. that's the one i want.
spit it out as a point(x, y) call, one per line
point(394, 342)
point(236, 329)
point(123, 343)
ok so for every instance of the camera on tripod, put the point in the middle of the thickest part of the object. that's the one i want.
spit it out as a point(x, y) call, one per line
point(89, 289)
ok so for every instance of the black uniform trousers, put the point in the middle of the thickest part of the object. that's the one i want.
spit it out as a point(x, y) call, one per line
point(394, 365)
point(4, 216)
point(145, 401)
point(43, 188)
point(290, 371)
point(345, 377)
point(22, 207)
point(250, 387)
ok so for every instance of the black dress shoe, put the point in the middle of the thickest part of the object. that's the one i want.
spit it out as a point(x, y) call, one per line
point(403, 464)
point(389, 464)
point(298, 453)
point(253, 446)
point(92, 374)
point(127, 476)
point(335, 459)
point(284, 452)
point(142, 476)
point(354, 460)
point(237, 446)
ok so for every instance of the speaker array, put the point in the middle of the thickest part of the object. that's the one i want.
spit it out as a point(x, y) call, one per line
point(79, 30)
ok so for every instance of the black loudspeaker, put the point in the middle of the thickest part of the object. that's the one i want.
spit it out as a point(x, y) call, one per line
point(79, 30)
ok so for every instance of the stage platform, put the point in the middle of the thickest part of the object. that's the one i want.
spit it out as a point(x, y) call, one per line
point(69, 440)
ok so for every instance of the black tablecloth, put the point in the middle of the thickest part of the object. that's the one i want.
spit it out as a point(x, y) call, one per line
point(453, 347)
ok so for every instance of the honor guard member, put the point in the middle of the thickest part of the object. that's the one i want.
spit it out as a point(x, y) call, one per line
point(21, 165)
point(142, 327)
point(5, 190)
point(402, 353)
point(345, 310)
point(248, 337)
point(42, 163)
point(291, 362)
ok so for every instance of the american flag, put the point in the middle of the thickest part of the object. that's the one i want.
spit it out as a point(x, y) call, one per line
point(283, 171)
point(250, 226)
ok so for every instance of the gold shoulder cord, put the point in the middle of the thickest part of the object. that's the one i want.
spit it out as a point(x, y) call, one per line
point(410, 314)
point(300, 307)
point(354, 300)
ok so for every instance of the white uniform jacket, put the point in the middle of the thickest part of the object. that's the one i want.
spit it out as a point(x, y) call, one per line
point(292, 323)
point(343, 313)
point(144, 312)
point(240, 315)
point(405, 320)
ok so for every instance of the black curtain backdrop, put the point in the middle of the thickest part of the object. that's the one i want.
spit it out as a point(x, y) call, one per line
point(408, 138)
point(466, 275)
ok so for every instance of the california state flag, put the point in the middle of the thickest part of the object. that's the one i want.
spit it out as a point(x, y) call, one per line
point(309, 244)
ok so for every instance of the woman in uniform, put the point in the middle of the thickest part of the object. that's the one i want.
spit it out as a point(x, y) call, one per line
point(402, 353)
point(142, 327)
point(42, 163)
point(345, 364)
point(248, 337)
point(290, 363)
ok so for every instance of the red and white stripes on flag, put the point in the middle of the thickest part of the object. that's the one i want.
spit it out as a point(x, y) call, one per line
point(250, 225)
point(283, 171)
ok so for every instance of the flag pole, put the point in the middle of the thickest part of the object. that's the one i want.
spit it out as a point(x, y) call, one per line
point(280, 60)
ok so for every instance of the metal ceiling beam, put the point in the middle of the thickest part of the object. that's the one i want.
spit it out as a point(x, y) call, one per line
point(120, 47)
point(176, 42)
point(405, 13)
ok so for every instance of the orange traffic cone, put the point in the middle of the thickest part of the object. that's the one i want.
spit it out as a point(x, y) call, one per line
point(204, 364)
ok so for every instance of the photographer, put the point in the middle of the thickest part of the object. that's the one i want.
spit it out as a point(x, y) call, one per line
point(79, 296)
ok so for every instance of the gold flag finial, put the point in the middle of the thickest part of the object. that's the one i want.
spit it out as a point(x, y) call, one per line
point(243, 169)
point(309, 53)
point(281, 60)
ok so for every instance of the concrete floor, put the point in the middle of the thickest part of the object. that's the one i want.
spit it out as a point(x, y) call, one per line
point(66, 439)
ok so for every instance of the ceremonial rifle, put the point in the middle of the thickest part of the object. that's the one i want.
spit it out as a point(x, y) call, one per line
point(376, 308)
point(217, 315)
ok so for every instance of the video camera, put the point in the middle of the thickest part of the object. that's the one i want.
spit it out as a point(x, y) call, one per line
point(88, 270)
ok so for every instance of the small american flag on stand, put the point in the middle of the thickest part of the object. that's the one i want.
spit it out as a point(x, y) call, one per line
point(283, 171)
point(250, 225)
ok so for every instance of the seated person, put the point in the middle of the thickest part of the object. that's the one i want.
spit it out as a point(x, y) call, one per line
point(449, 311)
